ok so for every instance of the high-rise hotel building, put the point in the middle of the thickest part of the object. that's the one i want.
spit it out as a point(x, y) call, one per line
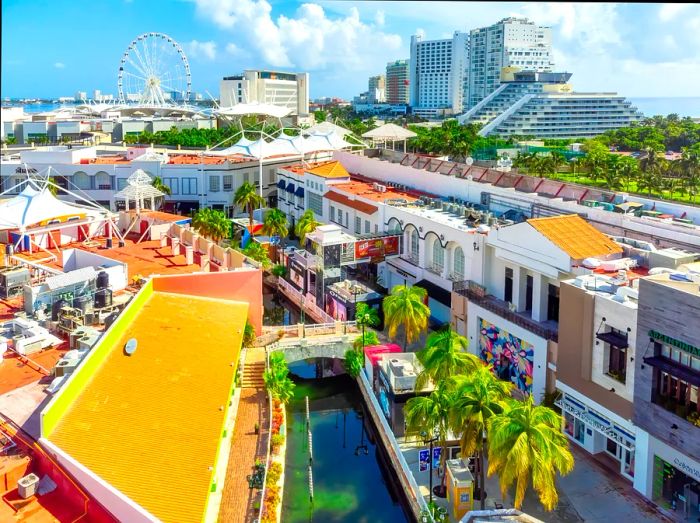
point(511, 42)
point(438, 76)
point(397, 83)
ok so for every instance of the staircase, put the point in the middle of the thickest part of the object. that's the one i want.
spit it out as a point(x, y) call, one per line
point(253, 369)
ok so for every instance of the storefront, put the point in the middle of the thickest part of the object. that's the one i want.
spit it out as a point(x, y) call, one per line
point(597, 432)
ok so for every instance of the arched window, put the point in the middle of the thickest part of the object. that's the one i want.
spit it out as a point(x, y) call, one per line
point(81, 180)
point(458, 272)
point(438, 256)
point(103, 181)
point(394, 226)
point(414, 245)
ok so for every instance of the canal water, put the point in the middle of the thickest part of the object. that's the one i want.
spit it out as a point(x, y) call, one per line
point(278, 310)
point(351, 478)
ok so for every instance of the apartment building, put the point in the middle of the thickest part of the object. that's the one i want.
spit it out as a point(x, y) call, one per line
point(376, 89)
point(510, 42)
point(438, 76)
point(544, 104)
point(397, 82)
point(281, 88)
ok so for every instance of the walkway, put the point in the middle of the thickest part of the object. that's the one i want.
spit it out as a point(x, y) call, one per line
point(238, 500)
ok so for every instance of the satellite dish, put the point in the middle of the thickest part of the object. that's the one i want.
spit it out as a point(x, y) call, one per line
point(469, 160)
point(130, 347)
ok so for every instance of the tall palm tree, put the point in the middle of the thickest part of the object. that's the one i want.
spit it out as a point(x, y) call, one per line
point(444, 356)
point(477, 398)
point(275, 224)
point(366, 316)
point(247, 198)
point(613, 172)
point(629, 168)
point(525, 440)
point(405, 307)
point(212, 224)
point(307, 223)
point(430, 416)
point(165, 189)
point(258, 252)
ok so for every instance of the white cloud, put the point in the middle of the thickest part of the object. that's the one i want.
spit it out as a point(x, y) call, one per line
point(307, 40)
point(668, 12)
point(59, 65)
point(196, 49)
point(379, 18)
point(234, 50)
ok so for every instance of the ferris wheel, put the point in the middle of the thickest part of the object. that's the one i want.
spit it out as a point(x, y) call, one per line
point(154, 71)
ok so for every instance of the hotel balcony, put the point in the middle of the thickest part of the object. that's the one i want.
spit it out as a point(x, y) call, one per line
point(476, 293)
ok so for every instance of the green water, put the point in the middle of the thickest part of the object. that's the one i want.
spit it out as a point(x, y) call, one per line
point(349, 484)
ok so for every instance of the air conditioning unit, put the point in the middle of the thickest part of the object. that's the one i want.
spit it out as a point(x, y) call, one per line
point(28, 485)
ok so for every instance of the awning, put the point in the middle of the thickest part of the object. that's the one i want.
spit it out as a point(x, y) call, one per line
point(280, 184)
point(613, 338)
point(299, 192)
point(436, 292)
point(675, 369)
point(290, 188)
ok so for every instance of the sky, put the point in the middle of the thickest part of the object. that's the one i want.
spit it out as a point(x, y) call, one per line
point(54, 48)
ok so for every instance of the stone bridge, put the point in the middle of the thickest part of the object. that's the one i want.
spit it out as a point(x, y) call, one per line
point(319, 347)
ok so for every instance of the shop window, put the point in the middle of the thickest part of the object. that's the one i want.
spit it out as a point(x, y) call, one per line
point(574, 427)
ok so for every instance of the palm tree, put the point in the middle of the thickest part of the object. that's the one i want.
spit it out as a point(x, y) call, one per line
point(445, 356)
point(307, 223)
point(429, 416)
point(629, 168)
point(247, 198)
point(366, 315)
point(276, 378)
point(275, 224)
point(613, 173)
point(353, 363)
point(165, 189)
point(526, 440)
point(364, 339)
point(212, 224)
point(258, 252)
point(477, 398)
point(405, 307)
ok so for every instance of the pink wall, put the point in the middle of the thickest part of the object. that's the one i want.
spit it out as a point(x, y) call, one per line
point(244, 285)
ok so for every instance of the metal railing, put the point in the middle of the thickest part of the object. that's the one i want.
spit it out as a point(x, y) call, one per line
point(477, 293)
point(261, 510)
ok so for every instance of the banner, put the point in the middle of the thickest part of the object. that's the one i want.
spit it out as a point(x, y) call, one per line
point(423, 456)
point(377, 249)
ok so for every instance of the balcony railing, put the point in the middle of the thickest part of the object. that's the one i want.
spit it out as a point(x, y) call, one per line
point(477, 294)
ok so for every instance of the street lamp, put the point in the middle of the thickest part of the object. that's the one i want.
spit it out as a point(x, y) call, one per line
point(424, 435)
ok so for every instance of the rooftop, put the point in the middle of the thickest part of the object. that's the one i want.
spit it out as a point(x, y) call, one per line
point(575, 236)
point(332, 169)
point(358, 205)
point(369, 191)
point(154, 431)
point(686, 278)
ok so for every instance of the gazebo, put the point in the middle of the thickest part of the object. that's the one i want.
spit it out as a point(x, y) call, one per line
point(389, 133)
point(139, 186)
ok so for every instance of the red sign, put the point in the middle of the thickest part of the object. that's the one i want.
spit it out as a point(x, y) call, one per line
point(377, 248)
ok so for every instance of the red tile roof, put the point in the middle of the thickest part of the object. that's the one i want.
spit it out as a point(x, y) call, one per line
point(354, 204)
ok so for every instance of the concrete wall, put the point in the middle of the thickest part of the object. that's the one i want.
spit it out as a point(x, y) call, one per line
point(77, 259)
point(674, 313)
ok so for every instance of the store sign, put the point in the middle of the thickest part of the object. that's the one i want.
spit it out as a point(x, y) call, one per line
point(686, 469)
point(377, 248)
point(598, 422)
point(687, 347)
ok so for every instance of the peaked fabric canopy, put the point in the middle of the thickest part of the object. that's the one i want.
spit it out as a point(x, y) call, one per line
point(243, 109)
point(34, 206)
point(327, 127)
point(389, 131)
point(285, 145)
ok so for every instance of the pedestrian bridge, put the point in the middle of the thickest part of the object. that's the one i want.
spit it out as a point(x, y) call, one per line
point(298, 349)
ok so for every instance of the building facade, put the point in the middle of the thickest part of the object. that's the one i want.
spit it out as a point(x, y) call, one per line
point(397, 82)
point(376, 89)
point(285, 89)
point(510, 42)
point(438, 78)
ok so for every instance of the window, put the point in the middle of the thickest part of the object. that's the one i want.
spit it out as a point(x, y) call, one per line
point(332, 211)
point(438, 257)
point(189, 186)
point(316, 203)
point(121, 183)
point(553, 303)
point(508, 289)
point(529, 283)
point(340, 216)
point(366, 226)
point(170, 182)
point(103, 181)
point(213, 183)
point(81, 180)
point(458, 264)
point(228, 183)
point(358, 225)
point(617, 359)
point(414, 245)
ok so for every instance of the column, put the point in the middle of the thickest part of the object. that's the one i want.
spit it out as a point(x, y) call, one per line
point(520, 288)
point(539, 298)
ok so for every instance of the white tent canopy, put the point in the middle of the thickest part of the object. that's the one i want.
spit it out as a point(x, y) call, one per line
point(245, 109)
point(285, 145)
point(327, 127)
point(33, 206)
point(389, 133)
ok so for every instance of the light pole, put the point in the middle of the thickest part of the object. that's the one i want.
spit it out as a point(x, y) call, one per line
point(430, 459)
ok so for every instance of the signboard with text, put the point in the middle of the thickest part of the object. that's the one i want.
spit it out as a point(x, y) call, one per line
point(377, 248)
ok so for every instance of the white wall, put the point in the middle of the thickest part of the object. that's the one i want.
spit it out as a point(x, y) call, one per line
point(654, 447)
point(74, 259)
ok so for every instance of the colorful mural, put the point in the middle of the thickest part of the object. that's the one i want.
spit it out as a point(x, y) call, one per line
point(511, 357)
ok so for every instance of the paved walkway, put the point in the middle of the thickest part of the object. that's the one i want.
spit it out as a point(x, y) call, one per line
point(237, 504)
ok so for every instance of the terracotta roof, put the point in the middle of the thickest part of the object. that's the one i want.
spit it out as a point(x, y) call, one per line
point(367, 191)
point(575, 236)
point(154, 420)
point(332, 169)
point(354, 204)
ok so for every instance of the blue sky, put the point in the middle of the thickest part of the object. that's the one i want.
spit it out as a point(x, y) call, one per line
point(54, 48)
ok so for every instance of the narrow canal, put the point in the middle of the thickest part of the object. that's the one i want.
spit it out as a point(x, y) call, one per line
point(278, 310)
point(351, 478)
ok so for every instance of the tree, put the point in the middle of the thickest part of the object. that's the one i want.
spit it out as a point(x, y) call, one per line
point(613, 172)
point(364, 339)
point(366, 316)
point(258, 252)
point(445, 356)
point(307, 223)
point(276, 378)
point(247, 198)
point(477, 398)
point(353, 363)
point(526, 440)
point(275, 224)
point(165, 189)
point(429, 416)
point(405, 307)
point(629, 169)
point(248, 334)
point(212, 224)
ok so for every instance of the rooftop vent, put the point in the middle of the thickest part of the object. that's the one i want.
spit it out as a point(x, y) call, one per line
point(130, 347)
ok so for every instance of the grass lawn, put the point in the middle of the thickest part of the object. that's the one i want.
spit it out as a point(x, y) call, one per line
point(583, 179)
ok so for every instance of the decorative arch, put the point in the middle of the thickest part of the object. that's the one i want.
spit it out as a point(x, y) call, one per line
point(412, 242)
point(103, 181)
point(81, 180)
point(458, 264)
point(394, 225)
point(436, 252)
